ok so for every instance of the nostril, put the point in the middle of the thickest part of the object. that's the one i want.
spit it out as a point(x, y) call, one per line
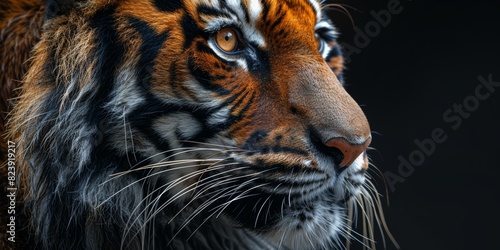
point(332, 152)
point(350, 151)
point(337, 155)
point(342, 151)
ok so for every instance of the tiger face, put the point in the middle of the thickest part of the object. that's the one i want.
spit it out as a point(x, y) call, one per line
point(189, 124)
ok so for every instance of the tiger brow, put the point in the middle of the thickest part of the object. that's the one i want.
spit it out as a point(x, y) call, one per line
point(211, 11)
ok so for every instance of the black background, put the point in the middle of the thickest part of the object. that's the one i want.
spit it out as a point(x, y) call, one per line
point(427, 59)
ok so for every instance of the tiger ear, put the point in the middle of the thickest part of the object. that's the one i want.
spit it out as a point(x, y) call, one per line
point(54, 8)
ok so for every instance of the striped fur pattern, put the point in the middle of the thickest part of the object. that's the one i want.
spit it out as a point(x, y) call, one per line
point(135, 130)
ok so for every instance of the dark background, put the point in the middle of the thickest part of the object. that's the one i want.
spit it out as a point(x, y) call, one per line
point(423, 62)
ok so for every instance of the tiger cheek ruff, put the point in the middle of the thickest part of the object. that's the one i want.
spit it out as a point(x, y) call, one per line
point(196, 124)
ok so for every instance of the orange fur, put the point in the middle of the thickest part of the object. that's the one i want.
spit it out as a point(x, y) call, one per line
point(20, 29)
point(297, 89)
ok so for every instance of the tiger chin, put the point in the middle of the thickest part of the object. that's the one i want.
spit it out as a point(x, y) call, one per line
point(195, 124)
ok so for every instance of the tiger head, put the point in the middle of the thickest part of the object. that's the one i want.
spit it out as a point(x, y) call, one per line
point(207, 124)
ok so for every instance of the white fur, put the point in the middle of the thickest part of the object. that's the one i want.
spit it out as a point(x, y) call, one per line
point(220, 116)
point(125, 95)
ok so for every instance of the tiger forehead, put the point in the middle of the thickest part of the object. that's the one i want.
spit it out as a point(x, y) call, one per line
point(258, 20)
point(212, 15)
point(253, 12)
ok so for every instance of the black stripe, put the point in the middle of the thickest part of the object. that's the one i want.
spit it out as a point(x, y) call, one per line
point(271, 175)
point(191, 31)
point(241, 97)
point(255, 138)
point(261, 164)
point(175, 75)
point(211, 11)
point(277, 21)
point(143, 117)
point(279, 149)
point(258, 61)
point(204, 48)
point(109, 52)
point(149, 50)
point(265, 9)
point(233, 12)
point(225, 64)
point(204, 78)
point(243, 114)
point(244, 111)
point(168, 5)
point(245, 11)
point(4, 5)
point(57, 7)
point(334, 52)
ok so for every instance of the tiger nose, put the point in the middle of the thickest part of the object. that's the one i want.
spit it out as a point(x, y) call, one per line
point(350, 151)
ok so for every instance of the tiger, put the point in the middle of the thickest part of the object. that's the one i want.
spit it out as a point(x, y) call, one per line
point(184, 124)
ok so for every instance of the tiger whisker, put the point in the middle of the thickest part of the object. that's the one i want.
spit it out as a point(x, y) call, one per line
point(164, 160)
point(153, 203)
point(220, 208)
point(342, 9)
point(260, 210)
point(365, 219)
point(213, 155)
point(142, 179)
point(186, 150)
point(185, 190)
point(352, 210)
point(214, 145)
point(125, 136)
point(283, 236)
point(348, 234)
point(381, 175)
point(310, 240)
point(189, 189)
point(194, 214)
point(240, 185)
point(226, 204)
point(210, 216)
point(160, 165)
point(241, 196)
point(379, 214)
point(200, 192)
point(166, 187)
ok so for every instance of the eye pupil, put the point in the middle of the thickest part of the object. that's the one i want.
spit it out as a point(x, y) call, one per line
point(226, 39)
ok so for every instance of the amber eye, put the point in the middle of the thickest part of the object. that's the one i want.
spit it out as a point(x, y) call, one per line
point(227, 39)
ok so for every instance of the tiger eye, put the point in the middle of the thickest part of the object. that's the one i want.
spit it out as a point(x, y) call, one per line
point(227, 39)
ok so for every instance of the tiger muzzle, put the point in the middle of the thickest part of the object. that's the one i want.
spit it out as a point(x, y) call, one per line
point(339, 124)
